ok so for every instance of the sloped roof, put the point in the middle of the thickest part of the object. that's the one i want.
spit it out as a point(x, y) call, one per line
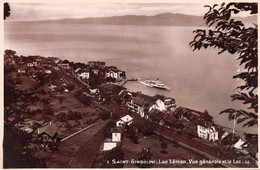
point(139, 101)
point(170, 119)
point(169, 101)
point(156, 114)
point(238, 144)
point(127, 118)
point(147, 98)
point(50, 129)
point(158, 96)
point(203, 123)
point(180, 111)
point(198, 113)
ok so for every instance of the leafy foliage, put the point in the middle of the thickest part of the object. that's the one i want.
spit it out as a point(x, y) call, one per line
point(236, 38)
point(6, 10)
point(145, 155)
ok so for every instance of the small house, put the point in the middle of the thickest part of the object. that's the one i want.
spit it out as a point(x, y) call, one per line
point(21, 70)
point(126, 120)
point(206, 131)
point(239, 144)
point(156, 116)
point(64, 65)
point(48, 133)
point(116, 134)
point(137, 105)
point(170, 104)
point(84, 75)
point(30, 64)
point(159, 104)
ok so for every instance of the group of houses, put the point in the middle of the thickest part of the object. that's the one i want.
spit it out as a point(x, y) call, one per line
point(163, 111)
point(98, 69)
point(116, 133)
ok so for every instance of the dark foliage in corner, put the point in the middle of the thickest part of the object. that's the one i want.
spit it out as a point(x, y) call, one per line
point(7, 10)
point(227, 34)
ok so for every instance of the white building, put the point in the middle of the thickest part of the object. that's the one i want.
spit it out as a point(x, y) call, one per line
point(159, 105)
point(21, 70)
point(239, 144)
point(208, 133)
point(84, 75)
point(108, 145)
point(116, 134)
point(126, 120)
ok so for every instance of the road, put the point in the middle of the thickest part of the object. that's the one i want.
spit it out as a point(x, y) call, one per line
point(79, 150)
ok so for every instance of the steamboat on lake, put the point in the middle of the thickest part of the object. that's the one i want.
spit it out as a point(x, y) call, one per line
point(154, 84)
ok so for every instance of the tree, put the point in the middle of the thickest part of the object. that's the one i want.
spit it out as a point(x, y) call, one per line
point(16, 153)
point(107, 129)
point(227, 34)
point(116, 154)
point(61, 99)
point(6, 10)
point(145, 155)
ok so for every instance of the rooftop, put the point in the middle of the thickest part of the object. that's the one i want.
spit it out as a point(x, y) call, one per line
point(127, 118)
point(50, 129)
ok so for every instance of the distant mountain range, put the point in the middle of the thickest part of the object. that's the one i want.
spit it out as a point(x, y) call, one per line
point(160, 19)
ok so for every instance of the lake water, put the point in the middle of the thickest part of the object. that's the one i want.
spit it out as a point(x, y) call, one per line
point(199, 80)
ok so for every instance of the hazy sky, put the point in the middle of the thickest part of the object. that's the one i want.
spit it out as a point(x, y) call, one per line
point(41, 11)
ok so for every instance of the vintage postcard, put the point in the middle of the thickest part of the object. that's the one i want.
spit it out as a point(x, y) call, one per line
point(130, 84)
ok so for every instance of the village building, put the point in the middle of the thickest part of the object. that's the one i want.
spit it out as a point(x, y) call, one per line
point(56, 68)
point(48, 71)
point(114, 73)
point(114, 141)
point(206, 131)
point(22, 70)
point(192, 115)
point(48, 133)
point(108, 145)
point(240, 144)
point(30, 64)
point(97, 64)
point(95, 71)
point(65, 66)
point(159, 104)
point(171, 122)
point(84, 75)
point(170, 104)
point(116, 134)
point(142, 104)
point(156, 116)
point(24, 127)
point(137, 105)
point(111, 92)
point(123, 121)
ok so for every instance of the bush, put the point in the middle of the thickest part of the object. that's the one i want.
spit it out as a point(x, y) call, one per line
point(132, 134)
point(74, 115)
point(164, 145)
point(115, 116)
point(116, 154)
point(105, 115)
point(107, 129)
point(48, 110)
point(61, 116)
point(164, 152)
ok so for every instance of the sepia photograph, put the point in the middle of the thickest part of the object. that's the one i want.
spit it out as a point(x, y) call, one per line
point(130, 84)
